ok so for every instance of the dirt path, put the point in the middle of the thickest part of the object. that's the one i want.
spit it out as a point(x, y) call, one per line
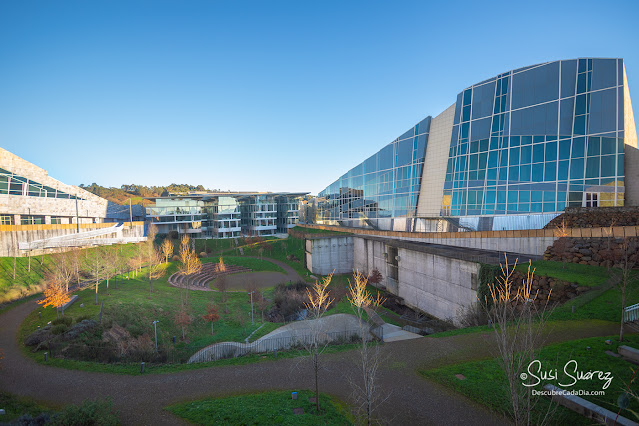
point(261, 279)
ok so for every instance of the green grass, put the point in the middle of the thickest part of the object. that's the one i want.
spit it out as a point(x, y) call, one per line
point(485, 380)
point(28, 279)
point(584, 275)
point(15, 406)
point(279, 249)
point(131, 306)
point(266, 408)
point(133, 368)
point(306, 230)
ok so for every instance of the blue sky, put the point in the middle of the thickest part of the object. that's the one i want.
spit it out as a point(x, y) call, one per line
point(265, 95)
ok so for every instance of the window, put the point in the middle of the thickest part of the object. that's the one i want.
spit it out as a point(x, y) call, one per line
point(31, 220)
point(591, 199)
point(6, 219)
point(56, 220)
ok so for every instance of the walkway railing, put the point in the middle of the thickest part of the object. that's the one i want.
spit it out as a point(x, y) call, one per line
point(235, 349)
point(631, 313)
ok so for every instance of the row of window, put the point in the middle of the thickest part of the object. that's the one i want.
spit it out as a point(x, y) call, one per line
point(12, 184)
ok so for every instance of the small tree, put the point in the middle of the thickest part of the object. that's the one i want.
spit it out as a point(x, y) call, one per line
point(189, 265)
point(212, 315)
point(156, 268)
point(318, 301)
point(221, 267)
point(54, 295)
point(626, 278)
point(222, 286)
point(375, 277)
point(167, 248)
point(366, 392)
point(518, 321)
point(183, 319)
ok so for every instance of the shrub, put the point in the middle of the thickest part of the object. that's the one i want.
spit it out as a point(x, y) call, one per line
point(63, 320)
point(59, 329)
point(203, 254)
point(175, 258)
point(173, 235)
point(88, 413)
point(82, 318)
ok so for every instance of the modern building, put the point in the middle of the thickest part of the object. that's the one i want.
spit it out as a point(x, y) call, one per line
point(512, 152)
point(40, 213)
point(226, 215)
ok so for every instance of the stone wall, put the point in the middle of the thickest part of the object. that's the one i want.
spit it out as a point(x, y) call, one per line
point(593, 251)
point(559, 291)
point(596, 217)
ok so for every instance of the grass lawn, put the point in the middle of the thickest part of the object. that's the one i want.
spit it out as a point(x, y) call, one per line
point(584, 275)
point(268, 408)
point(131, 306)
point(15, 406)
point(317, 231)
point(28, 279)
point(486, 383)
point(134, 308)
point(254, 264)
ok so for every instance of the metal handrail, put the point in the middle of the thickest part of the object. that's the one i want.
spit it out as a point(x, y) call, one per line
point(631, 313)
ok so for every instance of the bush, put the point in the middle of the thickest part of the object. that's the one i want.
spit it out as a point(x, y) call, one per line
point(59, 329)
point(63, 320)
point(82, 318)
point(88, 413)
point(173, 235)
point(175, 258)
point(203, 254)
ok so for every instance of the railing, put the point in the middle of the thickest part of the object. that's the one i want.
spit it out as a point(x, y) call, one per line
point(631, 313)
point(235, 349)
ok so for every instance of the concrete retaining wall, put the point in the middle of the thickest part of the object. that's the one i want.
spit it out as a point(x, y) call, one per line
point(437, 285)
point(11, 235)
point(325, 255)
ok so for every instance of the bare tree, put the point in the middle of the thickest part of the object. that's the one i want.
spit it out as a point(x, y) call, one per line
point(95, 262)
point(366, 390)
point(518, 319)
point(62, 269)
point(626, 278)
point(156, 268)
point(189, 265)
point(319, 300)
point(167, 248)
point(222, 286)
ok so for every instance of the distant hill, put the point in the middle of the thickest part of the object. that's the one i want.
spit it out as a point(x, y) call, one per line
point(135, 193)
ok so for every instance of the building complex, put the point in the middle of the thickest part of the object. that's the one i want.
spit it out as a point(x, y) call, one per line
point(512, 152)
point(226, 214)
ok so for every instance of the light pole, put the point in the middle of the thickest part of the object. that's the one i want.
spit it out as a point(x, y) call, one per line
point(155, 325)
point(251, 293)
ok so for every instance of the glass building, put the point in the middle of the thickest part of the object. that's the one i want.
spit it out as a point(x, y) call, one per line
point(511, 153)
point(226, 215)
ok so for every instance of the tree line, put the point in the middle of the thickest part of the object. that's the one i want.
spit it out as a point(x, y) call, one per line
point(122, 194)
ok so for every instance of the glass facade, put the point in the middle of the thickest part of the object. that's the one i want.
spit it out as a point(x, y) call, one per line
point(530, 141)
point(225, 216)
point(13, 184)
point(384, 185)
point(538, 140)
